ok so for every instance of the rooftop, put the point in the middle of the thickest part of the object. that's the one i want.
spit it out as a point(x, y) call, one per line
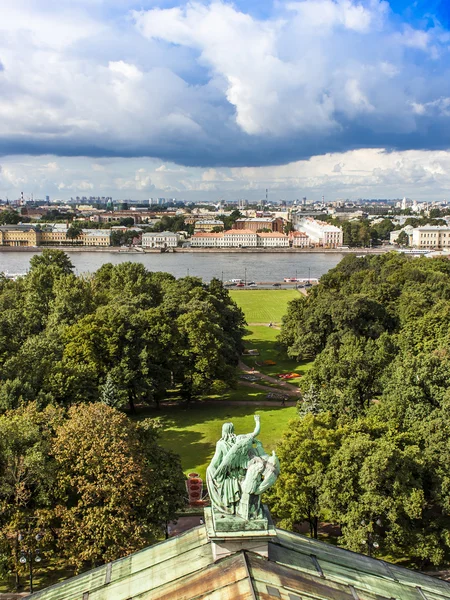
point(298, 568)
point(239, 232)
point(209, 222)
point(161, 234)
point(265, 219)
point(19, 227)
point(433, 228)
point(272, 234)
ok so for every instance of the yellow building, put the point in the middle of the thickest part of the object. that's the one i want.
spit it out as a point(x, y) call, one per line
point(96, 237)
point(51, 234)
point(55, 237)
point(19, 235)
point(55, 234)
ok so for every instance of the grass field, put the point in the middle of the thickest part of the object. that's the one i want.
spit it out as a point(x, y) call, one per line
point(264, 340)
point(263, 306)
point(193, 432)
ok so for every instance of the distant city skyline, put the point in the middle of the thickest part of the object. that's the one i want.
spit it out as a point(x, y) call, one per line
point(203, 100)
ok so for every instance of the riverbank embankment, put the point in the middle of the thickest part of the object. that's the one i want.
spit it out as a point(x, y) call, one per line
point(109, 249)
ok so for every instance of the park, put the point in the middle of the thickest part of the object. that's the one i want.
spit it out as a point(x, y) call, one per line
point(192, 431)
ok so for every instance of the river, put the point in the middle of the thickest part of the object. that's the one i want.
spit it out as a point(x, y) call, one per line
point(252, 267)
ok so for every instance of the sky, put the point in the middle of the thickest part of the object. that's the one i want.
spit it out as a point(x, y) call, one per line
point(208, 100)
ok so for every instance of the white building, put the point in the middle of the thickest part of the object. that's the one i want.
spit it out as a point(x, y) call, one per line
point(163, 239)
point(321, 233)
point(431, 236)
point(240, 238)
point(206, 240)
point(274, 239)
point(408, 229)
point(299, 239)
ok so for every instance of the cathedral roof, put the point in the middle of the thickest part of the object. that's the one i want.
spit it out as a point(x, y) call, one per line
point(298, 568)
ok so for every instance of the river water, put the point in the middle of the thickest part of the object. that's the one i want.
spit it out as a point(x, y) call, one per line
point(252, 267)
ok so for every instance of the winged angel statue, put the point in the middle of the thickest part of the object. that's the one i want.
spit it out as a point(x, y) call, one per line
point(240, 472)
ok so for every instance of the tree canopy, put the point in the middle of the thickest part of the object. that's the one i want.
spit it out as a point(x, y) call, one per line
point(378, 330)
point(90, 482)
point(63, 336)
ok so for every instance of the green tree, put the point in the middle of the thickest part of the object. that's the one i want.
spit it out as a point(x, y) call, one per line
point(110, 395)
point(201, 364)
point(52, 258)
point(347, 374)
point(304, 452)
point(126, 222)
point(230, 220)
point(403, 239)
point(27, 477)
point(115, 488)
point(46, 270)
point(310, 402)
point(9, 217)
point(75, 230)
point(374, 487)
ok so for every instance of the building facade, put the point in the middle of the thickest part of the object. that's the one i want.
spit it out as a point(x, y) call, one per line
point(206, 225)
point(431, 236)
point(51, 234)
point(320, 233)
point(258, 223)
point(19, 235)
point(163, 239)
point(272, 240)
point(240, 238)
point(299, 239)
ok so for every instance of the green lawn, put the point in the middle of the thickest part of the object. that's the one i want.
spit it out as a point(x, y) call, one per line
point(263, 306)
point(264, 339)
point(193, 432)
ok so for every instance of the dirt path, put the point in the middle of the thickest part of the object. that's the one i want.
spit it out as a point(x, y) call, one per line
point(282, 385)
point(255, 403)
point(276, 326)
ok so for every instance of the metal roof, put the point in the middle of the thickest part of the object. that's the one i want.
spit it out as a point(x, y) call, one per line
point(298, 568)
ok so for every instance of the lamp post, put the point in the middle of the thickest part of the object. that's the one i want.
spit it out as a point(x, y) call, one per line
point(245, 277)
point(371, 541)
point(30, 553)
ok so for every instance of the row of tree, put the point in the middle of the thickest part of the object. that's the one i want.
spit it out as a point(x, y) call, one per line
point(79, 480)
point(84, 485)
point(62, 336)
point(370, 448)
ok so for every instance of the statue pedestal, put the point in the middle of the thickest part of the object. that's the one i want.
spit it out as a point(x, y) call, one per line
point(233, 534)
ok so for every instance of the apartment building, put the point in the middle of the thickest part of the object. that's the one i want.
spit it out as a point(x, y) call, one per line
point(431, 236)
